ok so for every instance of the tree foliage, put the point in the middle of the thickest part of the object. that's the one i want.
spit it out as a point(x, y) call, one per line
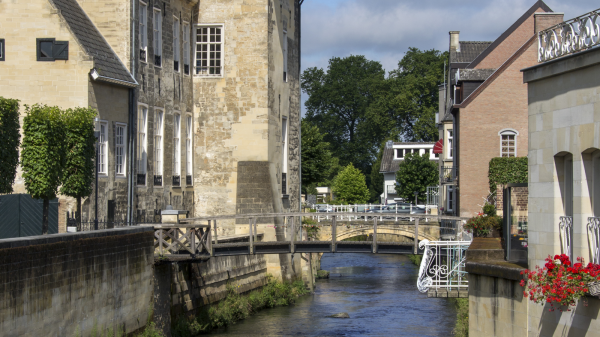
point(350, 186)
point(9, 143)
point(504, 170)
point(79, 164)
point(415, 174)
point(339, 103)
point(319, 166)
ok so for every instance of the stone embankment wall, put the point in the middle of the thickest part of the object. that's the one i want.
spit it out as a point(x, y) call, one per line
point(69, 284)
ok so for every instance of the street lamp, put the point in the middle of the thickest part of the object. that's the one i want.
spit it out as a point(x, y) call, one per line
point(97, 136)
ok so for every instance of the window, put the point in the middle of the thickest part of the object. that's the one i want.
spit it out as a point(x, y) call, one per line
point(176, 46)
point(188, 150)
point(450, 149)
point(427, 152)
point(284, 153)
point(158, 145)
point(208, 51)
point(51, 50)
point(186, 48)
point(177, 145)
point(142, 145)
point(103, 149)
point(157, 38)
point(120, 154)
point(450, 199)
point(508, 143)
point(143, 31)
point(285, 55)
point(2, 50)
point(399, 153)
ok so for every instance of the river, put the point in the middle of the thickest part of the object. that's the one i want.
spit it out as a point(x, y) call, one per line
point(379, 292)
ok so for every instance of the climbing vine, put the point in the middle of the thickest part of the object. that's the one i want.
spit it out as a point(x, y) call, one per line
point(507, 170)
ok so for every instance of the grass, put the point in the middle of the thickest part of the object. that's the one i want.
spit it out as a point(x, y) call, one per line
point(236, 307)
point(461, 329)
point(322, 274)
point(416, 259)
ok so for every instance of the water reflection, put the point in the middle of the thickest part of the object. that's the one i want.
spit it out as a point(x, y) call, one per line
point(378, 292)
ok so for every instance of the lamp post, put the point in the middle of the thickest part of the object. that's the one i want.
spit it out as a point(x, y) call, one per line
point(97, 136)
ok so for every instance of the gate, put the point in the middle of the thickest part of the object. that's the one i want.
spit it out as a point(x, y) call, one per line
point(20, 215)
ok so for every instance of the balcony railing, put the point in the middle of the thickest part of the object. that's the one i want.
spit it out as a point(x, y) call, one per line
point(443, 265)
point(391, 189)
point(141, 178)
point(569, 37)
point(176, 180)
point(143, 55)
point(176, 65)
point(565, 227)
point(593, 227)
point(157, 180)
point(157, 60)
point(186, 69)
point(448, 175)
point(188, 180)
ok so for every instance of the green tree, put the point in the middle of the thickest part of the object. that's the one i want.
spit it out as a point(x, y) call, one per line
point(319, 166)
point(9, 143)
point(350, 186)
point(413, 94)
point(79, 164)
point(43, 154)
point(415, 174)
point(338, 102)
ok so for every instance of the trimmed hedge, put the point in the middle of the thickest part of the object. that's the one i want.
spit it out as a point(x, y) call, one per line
point(10, 138)
point(505, 170)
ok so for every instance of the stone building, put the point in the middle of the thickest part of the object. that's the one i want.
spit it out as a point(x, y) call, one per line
point(487, 104)
point(211, 124)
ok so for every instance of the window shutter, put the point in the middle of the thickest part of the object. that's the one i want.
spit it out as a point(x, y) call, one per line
point(60, 50)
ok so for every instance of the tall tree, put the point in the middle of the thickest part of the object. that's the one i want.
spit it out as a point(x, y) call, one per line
point(43, 154)
point(413, 94)
point(338, 102)
point(9, 143)
point(79, 165)
point(319, 166)
point(350, 186)
point(415, 174)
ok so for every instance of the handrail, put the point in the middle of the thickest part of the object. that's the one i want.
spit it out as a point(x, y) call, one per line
point(357, 214)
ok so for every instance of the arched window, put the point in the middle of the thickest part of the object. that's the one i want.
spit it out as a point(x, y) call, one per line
point(508, 142)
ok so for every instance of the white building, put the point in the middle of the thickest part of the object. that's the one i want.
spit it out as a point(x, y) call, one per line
point(393, 154)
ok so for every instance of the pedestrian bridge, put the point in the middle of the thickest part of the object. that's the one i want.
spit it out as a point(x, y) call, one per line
point(283, 233)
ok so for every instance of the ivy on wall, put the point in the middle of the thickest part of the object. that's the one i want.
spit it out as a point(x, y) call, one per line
point(9, 143)
point(505, 170)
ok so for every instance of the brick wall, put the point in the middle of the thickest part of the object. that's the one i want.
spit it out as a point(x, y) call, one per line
point(62, 284)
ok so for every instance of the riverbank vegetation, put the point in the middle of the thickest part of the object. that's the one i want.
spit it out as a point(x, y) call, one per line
point(416, 259)
point(461, 329)
point(237, 306)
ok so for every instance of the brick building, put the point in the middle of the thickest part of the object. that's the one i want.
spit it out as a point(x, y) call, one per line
point(487, 101)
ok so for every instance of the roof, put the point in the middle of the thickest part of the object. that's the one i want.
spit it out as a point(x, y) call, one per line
point(469, 50)
point(388, 164)
point(474, 74)
point(106, 62)
point(510, 30)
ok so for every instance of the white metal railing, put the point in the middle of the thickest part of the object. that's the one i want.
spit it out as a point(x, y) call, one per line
point(565, 227)
point(443, 265)
point(570, 36)
point(593, 227)
point(370, 210)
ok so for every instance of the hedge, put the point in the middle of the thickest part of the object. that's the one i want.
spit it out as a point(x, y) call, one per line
point(505, 170)
point(9, 143)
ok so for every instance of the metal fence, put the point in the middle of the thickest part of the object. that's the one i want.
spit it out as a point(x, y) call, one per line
point(443, 265)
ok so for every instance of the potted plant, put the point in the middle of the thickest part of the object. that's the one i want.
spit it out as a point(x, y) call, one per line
point(560, 282)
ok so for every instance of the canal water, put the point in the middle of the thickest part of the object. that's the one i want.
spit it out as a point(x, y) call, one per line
point(379, 292)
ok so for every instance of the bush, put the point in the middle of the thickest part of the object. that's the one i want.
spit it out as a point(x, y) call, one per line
point(350, 186)
point(9, 143)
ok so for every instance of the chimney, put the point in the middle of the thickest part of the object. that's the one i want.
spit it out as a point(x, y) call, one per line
point(546, 20)
point(454, 45)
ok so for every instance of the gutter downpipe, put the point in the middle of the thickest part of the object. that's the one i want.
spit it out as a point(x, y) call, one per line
point(132, 111)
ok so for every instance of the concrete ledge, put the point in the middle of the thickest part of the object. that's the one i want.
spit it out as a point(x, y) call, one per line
point(485, 249)
point(65, 237)
point(562, 65)
point(501, 269)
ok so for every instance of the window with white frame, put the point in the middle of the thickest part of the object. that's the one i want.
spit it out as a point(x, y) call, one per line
point(142, 144)
point(186, 48)
point(177, 145)
point(103, 149)
point(188, 147)
point(450, 150)
point(120, 154)
point(508, 143)
point(209, 47)
point(157, 37)
point(399, 153)
point(176, 45)
point(285, 55)
point(143, 36)
point(158, 142)
point(450, 199)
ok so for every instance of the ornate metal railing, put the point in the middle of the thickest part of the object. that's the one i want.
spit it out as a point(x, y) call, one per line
point(565, 228)
point(569, 37)
point(443, 265)
point(593, 227)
